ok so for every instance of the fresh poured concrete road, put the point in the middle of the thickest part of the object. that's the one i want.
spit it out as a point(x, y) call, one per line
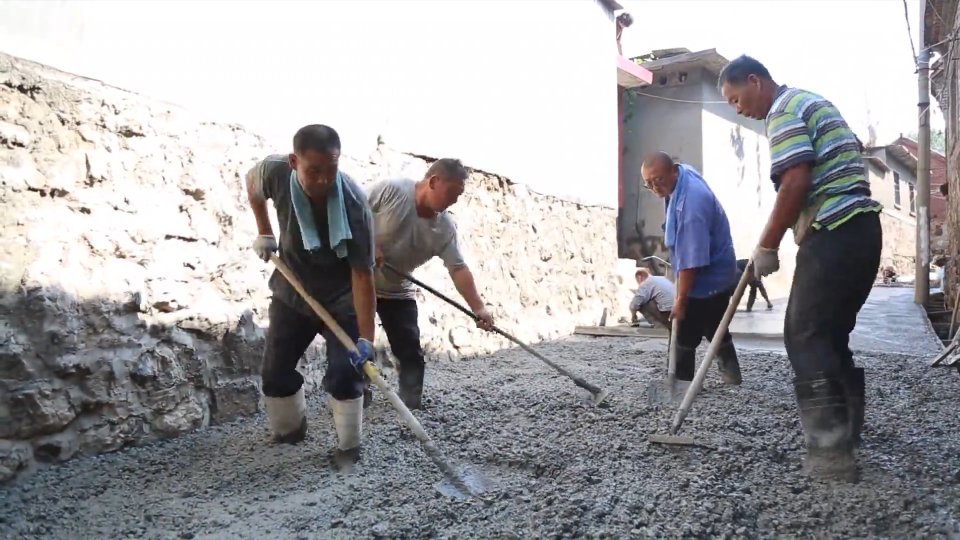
point(563, 468)
point(889, 322)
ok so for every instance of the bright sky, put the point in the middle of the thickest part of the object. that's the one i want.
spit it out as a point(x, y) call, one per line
point(453, 77)
point(855, 53)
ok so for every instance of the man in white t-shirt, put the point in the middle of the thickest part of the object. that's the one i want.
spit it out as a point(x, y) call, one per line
point(654, 299)
point(411, 227)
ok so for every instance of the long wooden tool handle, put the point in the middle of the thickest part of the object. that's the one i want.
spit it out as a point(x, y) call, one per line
point(673, 351)
point(371, 370)
point(579, 381)
point(698, 379)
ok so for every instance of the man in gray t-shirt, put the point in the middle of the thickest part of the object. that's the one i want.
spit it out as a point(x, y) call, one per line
point(412, 226)
point(654, 299)
point(304, 186)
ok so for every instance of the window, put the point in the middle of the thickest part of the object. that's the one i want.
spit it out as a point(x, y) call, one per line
point(896, 189)
point(913, 199)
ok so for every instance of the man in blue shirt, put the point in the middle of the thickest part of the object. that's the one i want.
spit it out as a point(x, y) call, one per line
point(697, 234)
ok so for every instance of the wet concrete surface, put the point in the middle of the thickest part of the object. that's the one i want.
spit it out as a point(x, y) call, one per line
point(889, 322)
point(562, 468)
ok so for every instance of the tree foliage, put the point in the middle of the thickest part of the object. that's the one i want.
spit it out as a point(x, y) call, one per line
point(938, 140)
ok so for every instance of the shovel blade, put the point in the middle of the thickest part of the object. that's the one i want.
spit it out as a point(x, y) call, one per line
point(675, 440)
point(469, 483)
point(667, 391)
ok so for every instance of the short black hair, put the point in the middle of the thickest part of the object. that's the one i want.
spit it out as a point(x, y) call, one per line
point(448, 169)
point(316, 137)
point(741, 67)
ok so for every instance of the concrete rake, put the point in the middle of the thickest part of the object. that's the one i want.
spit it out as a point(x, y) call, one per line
point(669, 390)
point(599, 395)
point(697, 384)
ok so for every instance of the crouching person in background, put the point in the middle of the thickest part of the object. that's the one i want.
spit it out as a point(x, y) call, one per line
point(654, 299)
point(326, 239)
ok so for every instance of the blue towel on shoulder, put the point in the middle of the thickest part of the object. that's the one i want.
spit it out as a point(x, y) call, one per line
point(336, 217)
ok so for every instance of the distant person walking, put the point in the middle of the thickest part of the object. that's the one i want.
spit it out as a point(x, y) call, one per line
point(755, 285)
point(654, 299)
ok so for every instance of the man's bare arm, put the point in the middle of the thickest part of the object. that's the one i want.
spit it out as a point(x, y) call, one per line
point(467, 287)
point(258, 204)
point(685, 281)
point(791, 197)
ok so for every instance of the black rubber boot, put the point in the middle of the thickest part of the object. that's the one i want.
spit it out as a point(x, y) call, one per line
point(367, 395)
point(855, 389)
point(686, 363)
point(728, 364)
point(827, 428)
point(411, 387)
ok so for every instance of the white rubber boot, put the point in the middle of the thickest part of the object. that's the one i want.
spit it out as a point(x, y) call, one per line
point(287, 417)
point(348, 419)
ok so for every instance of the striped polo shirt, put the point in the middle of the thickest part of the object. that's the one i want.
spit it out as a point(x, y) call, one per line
point(803, 127)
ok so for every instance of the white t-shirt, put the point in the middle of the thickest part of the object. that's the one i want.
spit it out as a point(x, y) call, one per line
point(407, 240)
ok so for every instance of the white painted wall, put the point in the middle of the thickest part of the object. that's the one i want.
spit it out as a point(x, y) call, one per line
point(736, 163)
point(523, 88)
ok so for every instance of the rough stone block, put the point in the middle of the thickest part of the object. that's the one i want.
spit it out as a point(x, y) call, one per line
point(15, 456)
point(40, 411)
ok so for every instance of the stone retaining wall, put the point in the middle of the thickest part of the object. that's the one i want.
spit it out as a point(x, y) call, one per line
point(131, 307)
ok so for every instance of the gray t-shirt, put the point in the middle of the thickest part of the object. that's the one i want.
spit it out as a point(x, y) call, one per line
point(326, 277)
point(406, 239)
point(656, 288)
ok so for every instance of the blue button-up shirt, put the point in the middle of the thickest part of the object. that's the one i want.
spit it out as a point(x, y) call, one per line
point(702, 237)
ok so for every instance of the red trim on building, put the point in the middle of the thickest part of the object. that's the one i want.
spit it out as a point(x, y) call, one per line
point(631, 75)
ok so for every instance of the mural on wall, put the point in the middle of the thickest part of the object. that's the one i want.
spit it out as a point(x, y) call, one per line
point(737, 142)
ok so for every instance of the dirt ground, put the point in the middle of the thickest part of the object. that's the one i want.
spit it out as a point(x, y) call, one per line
point(562, 467)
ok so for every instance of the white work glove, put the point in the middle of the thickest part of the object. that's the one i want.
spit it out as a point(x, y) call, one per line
point(265, 246)
point(765, 262)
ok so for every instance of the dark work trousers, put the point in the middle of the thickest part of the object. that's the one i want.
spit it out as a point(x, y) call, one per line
point(654, 316)
point(400, 321)
point(289, 335)
point(754, 285)
point(752, 296)
point(834, 274)
point(701, 321)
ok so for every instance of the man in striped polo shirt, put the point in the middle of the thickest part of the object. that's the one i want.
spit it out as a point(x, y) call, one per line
point(824, 196)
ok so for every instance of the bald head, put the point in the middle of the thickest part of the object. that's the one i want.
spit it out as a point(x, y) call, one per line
point(660, 158)
point(659, 173)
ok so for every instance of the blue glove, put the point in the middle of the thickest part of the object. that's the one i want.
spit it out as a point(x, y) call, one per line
point(364, 353)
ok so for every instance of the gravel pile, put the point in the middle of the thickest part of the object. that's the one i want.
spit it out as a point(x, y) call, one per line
point(562, 467)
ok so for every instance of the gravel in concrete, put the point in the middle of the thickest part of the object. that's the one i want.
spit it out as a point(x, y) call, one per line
point(563, 468)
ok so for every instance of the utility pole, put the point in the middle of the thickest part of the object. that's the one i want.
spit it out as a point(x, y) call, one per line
point(921, 294)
